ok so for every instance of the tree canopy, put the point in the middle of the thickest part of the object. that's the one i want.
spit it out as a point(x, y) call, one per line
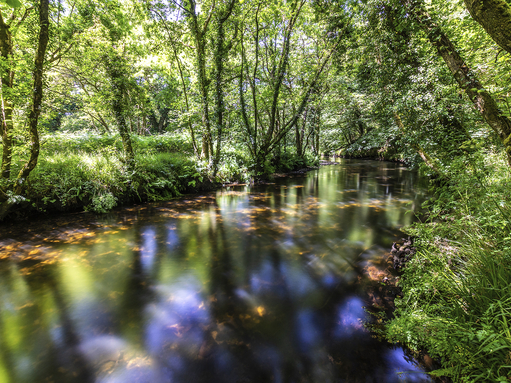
point(271, 81)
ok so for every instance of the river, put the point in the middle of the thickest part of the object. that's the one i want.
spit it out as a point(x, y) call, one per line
point(266, 283)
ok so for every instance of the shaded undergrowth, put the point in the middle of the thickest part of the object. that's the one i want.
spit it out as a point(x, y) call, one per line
point(457, 292)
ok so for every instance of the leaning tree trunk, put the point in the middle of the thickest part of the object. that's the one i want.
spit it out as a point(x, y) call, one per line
point(465, 77)
point(495, 17)
point(37, 98)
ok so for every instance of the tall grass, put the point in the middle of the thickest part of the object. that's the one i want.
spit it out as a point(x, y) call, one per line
point(457, 290)
point(93, 142)
point(87, 171)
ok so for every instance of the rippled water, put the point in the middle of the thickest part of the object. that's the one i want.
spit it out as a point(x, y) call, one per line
point(249, 284)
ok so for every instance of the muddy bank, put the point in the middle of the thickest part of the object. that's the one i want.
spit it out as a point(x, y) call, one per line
point(397, 259)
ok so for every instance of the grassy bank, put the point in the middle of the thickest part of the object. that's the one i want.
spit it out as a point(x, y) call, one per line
point(86, 172)
point(457, 289)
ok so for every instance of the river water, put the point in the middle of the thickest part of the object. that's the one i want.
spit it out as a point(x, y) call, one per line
point(268, 283)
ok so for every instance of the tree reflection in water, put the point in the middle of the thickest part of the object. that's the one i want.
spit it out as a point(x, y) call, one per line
point(257, 285)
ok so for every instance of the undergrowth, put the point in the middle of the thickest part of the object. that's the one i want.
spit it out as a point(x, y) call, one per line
point(457, 292)
point(98, 182)
point(86, 171)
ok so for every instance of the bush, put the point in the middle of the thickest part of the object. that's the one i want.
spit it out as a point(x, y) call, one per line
point(97, 182)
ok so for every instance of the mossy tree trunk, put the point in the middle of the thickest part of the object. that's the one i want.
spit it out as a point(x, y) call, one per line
point(495, 17)
point(115, 69)
point(37, 98)
point(220, 55)
point(7, 80)
point(199, 36)
point(464, 76)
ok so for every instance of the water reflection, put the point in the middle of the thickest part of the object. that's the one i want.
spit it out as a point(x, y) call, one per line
point(258, 284)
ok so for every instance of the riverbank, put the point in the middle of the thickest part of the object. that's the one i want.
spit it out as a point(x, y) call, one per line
point(453, 305)
point(456, 300)
point(86, 172)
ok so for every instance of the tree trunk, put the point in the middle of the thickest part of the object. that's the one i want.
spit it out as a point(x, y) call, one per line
point(115, 72)
point(200, 51)
point(318, 131)
point(7, 80)
point(37, 98)
point(298, 140)
point(221, 51)
point(187, 103)
point(495, 17)
point(466, 78)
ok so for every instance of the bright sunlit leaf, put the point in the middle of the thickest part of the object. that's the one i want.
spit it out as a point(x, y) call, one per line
point(12, 3)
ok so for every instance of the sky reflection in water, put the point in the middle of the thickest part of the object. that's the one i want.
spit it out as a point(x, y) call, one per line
point(262, 284)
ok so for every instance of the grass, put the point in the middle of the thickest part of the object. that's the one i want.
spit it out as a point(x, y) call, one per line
point(457, 292)
point(79, 171)
point(87, 171)
point(99, 181)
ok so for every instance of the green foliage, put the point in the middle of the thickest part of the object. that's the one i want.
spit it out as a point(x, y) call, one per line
point(457, 297)
point(386, 144)
point(11, 3)
point(102, 203)
point(289, 161)
point(90, 142)
point(233, 164)
point(163, 176)
point(88, 171)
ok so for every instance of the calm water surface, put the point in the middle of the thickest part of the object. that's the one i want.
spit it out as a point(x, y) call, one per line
point(247, 284)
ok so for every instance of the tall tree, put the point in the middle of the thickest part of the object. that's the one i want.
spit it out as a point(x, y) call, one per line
point(115, 21)
point(35, 107)
point(7, 82)
point(270, 116)
point(115, 67)
point(220, 55)
point(199, 30)
point(464, 76)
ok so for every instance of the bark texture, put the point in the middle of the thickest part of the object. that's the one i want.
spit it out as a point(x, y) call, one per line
point(463, 75)
point(7, 80)
point(495, 17)
point(37, 98)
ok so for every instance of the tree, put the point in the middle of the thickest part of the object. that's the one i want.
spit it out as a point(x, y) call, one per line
point(114, 20)
point(9, 92)
point(271, 112)
point(35, 108)
point(495, 17)
point(221, 51)
point(464, 76)
point(199, 30)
